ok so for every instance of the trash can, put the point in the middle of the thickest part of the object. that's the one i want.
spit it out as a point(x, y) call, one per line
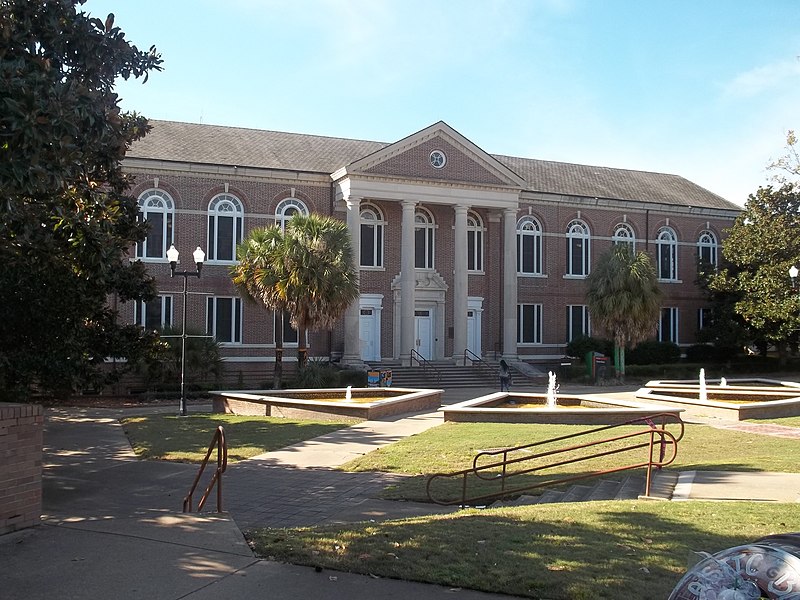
point(373, 378)
point(767, 568)
point(386, 379)
point(600, 365)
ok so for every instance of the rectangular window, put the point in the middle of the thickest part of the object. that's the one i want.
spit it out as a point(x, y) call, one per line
point(667, 261)
point(371, 245)
point(703, 318)
point(224, 319)
point(155, 235)
point(423, 248)
point(474, 251)
point(529, 255)
point(155, 314)
point(529, 323)
point(290, 336)
point(225, 239)
point(577, 321)
point(668, 325)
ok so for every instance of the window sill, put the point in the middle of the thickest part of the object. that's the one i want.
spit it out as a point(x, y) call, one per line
point(670, 281)
point(532, 275)
point(568, 276)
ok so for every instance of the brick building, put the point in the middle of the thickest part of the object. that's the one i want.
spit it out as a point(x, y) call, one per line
point(458, 249)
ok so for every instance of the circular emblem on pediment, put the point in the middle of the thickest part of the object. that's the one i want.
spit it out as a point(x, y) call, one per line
point(438, 159)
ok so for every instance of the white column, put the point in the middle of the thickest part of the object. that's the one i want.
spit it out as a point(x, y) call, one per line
point(352, 343)
point(408, 282)
point(460, 290)
point(510, 283)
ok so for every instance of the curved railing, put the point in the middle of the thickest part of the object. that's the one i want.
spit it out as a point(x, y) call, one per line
point(217, 441)
point(653, 437)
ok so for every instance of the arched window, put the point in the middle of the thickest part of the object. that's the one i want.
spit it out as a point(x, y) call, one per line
point(623, 234)
point(667, 249)
point(529, 246)
point(707, 248)
point(225, 227)
point(424, 229)
point(288, 208)
point(157, 209)
point(474, 242)
point(371, 236)
point(578, 249)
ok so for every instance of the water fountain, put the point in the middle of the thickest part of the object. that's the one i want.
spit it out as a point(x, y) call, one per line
point(552, 390)
point(703, 393)
point(738, 399)
point(331, 404)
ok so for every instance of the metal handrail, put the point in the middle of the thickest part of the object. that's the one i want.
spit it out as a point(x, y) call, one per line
point(665, 439)
point(216, 479)
point(427, 366)
point(482, 364)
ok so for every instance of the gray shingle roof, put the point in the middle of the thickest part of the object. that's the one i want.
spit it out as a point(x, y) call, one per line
point(219, 145)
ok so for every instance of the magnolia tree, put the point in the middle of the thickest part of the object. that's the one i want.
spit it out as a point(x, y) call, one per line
point(66, 224)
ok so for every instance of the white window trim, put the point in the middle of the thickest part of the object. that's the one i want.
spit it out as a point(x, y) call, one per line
point(586, 253)
point(168, 232)
point(238, 225)
point(479, 231)
point(237, 308)
point(537, 235)
point(538, 326)
point(379, 236)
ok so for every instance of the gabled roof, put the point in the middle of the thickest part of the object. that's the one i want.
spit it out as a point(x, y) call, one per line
point(604, 182)
point(219, 145)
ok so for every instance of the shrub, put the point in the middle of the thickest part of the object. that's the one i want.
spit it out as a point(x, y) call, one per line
point(653, 353)
point(701, 353)
point(354, 377)
point(582, 344)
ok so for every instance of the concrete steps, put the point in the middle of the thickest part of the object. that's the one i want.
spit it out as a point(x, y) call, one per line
point(479, 375)
point(622, 488)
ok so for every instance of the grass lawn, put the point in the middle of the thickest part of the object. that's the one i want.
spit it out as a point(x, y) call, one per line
point(186, 439)
point(570, 551)
point(452, 446)
point(787, 421)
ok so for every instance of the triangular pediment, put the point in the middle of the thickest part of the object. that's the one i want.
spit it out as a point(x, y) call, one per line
point(437, 153)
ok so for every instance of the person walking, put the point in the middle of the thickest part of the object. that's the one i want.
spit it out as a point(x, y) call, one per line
point(505, 376)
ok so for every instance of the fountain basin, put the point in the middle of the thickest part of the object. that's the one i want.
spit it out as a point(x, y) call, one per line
point(326, 404)
point(739, 399)
point(532, 408)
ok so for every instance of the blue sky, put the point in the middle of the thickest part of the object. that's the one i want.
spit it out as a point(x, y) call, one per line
point(705, 89)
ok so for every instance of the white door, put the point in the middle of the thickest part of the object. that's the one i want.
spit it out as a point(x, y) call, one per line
point(473, 333)
point(423, 329)
point(368, 335)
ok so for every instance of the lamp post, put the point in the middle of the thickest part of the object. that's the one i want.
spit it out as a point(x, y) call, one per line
point(793, 273)
point(199, 257)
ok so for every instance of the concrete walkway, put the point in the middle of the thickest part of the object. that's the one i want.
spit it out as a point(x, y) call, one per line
point(111, 526)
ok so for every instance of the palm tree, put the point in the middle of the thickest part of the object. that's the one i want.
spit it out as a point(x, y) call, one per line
point(624, 299)
point(306, 271)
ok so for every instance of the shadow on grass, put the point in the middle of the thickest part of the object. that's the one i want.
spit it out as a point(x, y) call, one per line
point(162, 437)
point(569, 552)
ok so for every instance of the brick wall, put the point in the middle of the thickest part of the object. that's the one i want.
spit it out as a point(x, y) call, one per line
point(20, 466)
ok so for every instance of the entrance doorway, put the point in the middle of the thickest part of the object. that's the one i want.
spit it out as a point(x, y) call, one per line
point(423, 333)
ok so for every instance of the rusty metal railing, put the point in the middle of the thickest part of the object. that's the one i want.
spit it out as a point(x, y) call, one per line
point(651, 436)
point(217, 441)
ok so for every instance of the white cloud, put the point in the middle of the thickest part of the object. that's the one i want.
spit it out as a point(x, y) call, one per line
point(766, 78)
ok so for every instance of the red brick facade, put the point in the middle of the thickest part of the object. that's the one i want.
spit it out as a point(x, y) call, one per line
point(21, 466)
point(401, 173)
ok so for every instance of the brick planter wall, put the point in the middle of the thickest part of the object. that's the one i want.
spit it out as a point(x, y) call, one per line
point(20, 466)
